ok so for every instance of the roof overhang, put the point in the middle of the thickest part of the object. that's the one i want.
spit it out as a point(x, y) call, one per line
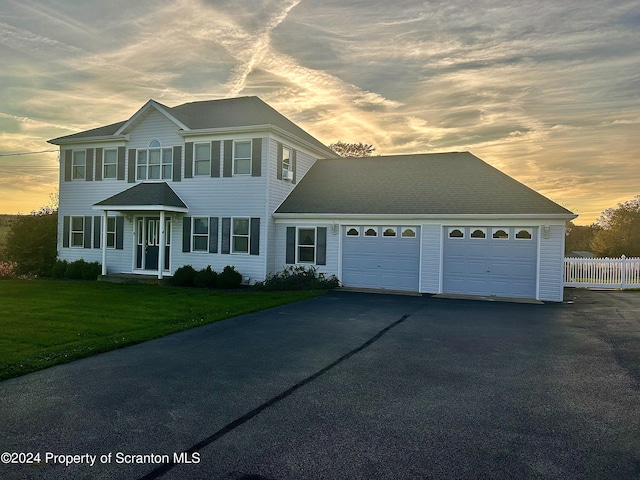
point(100, 139)
point(394, 216)
point(144, 197)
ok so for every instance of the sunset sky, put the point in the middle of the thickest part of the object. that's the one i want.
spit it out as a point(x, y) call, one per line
point(546, 90)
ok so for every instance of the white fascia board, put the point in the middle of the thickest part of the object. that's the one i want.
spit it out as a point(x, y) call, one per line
point(284, 217)
point(150, 104)
point(83, 140)
point(140, 208)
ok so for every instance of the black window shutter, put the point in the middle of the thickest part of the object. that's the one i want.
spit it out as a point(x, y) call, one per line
point(291, 245)
point(279, 162)
point(98, 175)
point(294, 161)
point(254, 237)
point(132, 165)
point(89, 165)
point(66, 226)
point(87, 232)
point(96, 231)
point(321, 248)
point(188, 160)
point(177, 163)
point(256, 157)
point(227, 166)
point(119, 233)
point(68, 156)
point(186, 234)
point(213, 235)
point(120, 174)
point(226, 235)
point(215, 158)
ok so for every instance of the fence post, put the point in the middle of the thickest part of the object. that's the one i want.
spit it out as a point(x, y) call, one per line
point(623, 262)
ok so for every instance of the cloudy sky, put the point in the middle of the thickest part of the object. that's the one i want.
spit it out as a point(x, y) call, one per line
point(546, 90)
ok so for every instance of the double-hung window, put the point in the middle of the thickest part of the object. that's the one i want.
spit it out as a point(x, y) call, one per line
point(240, 235)
point(202, 158)
point(155, 163)
point(306, 245)
point(200, 235)
point(242, 157)
point(77, 232)
point(111, 232)
point(110, 163)
point(79, 165)
point(286, 162)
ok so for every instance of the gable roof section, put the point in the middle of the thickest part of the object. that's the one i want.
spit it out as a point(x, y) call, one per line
point(154, 196)
point(457, 183)
point(207, 115)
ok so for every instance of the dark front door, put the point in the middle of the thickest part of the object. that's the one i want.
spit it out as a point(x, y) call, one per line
point(152, 246)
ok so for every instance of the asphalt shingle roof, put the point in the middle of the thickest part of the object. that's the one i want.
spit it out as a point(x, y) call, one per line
point(422, 184)
point(212, 114)
point(145, 194)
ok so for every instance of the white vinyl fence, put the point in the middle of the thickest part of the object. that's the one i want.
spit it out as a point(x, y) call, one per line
point(602, 272)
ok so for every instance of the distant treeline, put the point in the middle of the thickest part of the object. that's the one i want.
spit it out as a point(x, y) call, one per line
point(5, 219)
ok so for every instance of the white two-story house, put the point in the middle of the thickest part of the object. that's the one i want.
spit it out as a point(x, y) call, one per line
point(233, 182)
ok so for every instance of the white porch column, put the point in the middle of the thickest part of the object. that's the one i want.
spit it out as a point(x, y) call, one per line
point(161, 241)
point(104, 242)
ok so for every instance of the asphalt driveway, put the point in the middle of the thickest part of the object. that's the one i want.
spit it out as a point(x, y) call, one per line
point(348, 385)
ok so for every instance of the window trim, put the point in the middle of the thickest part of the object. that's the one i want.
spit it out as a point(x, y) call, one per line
point(80, 164)
point(365, 230)
point(233, 235)
point(147, 165)
point(314, 246)
point(72, 244)
point(286, 161)
point(525, 229)
point(199, 235)
point(349, 228)
point(473, 230)
point(414, 230)
point(111, 233)
point(459, 229)
point(499, 229)
point(106, 164)
point(248, 159)
point(207, 171)
point(385, 229)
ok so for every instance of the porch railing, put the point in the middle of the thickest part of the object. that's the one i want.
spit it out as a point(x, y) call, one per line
point(602, 272)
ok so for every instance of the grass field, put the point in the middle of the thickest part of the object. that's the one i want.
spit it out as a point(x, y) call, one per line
point(48, 322)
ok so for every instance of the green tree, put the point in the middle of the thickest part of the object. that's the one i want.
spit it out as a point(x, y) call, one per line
point(620, 231)
point(352, 149)
point(579, 237)
point(32, 242)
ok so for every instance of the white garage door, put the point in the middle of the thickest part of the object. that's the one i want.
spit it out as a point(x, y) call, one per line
point(498, 261)
point(381, 257)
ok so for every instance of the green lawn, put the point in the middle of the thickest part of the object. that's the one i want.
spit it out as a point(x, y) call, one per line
point(48, 322)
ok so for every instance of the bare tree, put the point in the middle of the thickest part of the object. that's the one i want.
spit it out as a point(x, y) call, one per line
point(352, 149)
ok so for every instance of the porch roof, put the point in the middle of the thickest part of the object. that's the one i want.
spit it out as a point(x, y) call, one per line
point(145, 197)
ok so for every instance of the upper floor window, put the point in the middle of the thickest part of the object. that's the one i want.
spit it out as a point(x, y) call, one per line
point(79, 165)
point(242, 157)
point(286, 162)
point(202, 158)
point(110, 163)
point(154, 163)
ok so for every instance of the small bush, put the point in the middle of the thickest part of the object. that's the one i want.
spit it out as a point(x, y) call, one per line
point(205, 278)
point(299, 278)
point(7, 269)
point(229, 278)
point(81, 270)
point(184, 276)
point(59, 268)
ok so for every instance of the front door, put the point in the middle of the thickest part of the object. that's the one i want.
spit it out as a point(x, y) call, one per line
point(148, 243)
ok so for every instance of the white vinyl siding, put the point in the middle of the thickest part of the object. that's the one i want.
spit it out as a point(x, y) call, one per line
point(551, 264)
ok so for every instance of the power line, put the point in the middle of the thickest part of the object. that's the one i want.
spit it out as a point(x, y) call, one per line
point(26, 153)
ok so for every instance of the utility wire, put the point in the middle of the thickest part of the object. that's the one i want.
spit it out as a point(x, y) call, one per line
point(26, 153)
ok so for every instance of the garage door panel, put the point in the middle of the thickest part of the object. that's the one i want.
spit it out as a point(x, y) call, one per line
point(490, 266)
point(391, 263)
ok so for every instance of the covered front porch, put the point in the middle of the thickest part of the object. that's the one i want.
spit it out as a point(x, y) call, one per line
point(151, 207)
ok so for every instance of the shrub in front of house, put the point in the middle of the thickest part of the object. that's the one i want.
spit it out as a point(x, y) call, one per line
point(59, 268)
point(79, 270)
point(205, 278)
point(299, 278)
point(229, 278)
point(7, 269)
point(184, 276)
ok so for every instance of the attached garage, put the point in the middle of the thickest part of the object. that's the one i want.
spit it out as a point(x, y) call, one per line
point(477, 231)
point(381, 257)
point(490, 261)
